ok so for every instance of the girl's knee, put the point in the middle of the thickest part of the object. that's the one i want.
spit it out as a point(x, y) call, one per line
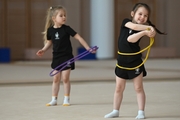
point(56, 80)
point(65, 80)
point(139, 89)
point(119, 89)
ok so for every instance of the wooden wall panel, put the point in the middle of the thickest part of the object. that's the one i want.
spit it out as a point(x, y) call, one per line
point(36, 12)
point(21, 25)
point(3, 22)
point(22, 22)
point(16, 28)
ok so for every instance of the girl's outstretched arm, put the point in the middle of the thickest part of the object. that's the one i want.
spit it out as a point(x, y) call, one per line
point(45, 48)
point(82, 41)
point(138, 27)
point(136, 36)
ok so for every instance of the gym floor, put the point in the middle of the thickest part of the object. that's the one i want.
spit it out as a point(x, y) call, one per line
point(25, 88)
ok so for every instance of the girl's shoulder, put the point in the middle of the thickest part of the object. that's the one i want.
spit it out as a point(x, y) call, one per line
point(50, 28)
point(66, 26)
point(127, 20)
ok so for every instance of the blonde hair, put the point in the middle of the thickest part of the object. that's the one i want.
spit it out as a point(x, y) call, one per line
point(51, 12)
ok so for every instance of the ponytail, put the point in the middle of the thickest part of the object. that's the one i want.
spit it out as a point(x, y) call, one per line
point(48, 24)
point(52, 11)
point(158, 31)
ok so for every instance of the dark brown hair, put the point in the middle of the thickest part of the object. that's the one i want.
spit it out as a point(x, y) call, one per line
point(135, 8)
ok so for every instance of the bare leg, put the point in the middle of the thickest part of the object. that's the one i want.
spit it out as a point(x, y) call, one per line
point(118, 96)
point(67, 86)
point(55, 89)
point(56, 84)
point(141, 97)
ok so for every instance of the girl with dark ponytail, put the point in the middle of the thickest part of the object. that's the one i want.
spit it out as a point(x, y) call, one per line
point(131, 32)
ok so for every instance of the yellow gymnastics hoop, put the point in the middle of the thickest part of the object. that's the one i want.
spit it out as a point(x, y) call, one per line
point(148, 48)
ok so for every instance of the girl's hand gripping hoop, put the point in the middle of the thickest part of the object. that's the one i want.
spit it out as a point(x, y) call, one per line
point(65, 64)
point(148, 48)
